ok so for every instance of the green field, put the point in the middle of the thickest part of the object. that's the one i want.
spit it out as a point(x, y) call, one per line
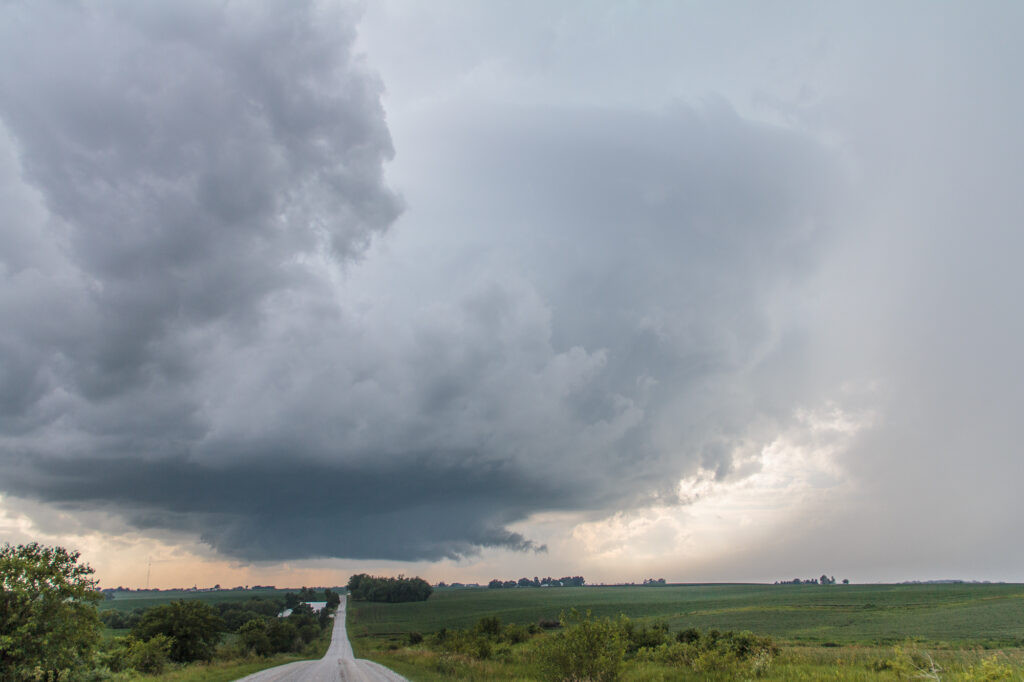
point(845, 632)
point(129, 601)
point(967, 615)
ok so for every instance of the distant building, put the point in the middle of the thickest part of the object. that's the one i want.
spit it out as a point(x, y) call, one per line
point(317, 607)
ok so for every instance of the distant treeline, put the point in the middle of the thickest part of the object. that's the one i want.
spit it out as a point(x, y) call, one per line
point(823, 580)
point(569, 581)
point(112, 592)
point(372, 588)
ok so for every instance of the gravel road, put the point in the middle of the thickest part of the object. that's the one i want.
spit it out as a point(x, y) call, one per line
point(339, 664)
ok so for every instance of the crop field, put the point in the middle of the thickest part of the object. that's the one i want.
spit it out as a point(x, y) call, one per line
point(968, 615)
point(843, 632)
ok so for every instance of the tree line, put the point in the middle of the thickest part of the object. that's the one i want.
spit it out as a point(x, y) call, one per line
point(364, 587)
point(823, 580)
point(568, 581)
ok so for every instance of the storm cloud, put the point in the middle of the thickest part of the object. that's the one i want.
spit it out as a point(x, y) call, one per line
point(624, 249)
point(182, 345)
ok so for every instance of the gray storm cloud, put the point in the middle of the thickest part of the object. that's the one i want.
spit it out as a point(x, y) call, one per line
point(190, 193)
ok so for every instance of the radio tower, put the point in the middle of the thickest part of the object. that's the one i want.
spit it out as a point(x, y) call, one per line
point(149, 567)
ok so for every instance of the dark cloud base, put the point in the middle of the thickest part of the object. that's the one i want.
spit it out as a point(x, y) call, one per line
point(296, 510)
point(177, 345)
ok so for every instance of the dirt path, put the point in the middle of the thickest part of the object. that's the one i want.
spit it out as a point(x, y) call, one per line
point(338, 664)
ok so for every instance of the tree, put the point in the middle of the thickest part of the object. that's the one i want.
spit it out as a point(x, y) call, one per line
point(48, 618)
point(283, 635)
point(149, 657)
point(253, 636)
point(194, 626)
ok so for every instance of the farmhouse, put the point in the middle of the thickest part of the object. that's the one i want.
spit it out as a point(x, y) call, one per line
point(317, 607)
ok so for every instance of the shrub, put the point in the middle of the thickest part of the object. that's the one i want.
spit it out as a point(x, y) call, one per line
point(586, 649)
point(989, 670)
point(150, 657)
point(688, 636)
point(126, 654)
point(638, 637)
point(481, 648)
point(516, 634)
point(489, 625)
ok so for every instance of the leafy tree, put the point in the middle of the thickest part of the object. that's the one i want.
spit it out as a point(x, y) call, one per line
point(283, 635)
point(49, 626)
point(194, 626)
point(308, 632)
point(253, 636)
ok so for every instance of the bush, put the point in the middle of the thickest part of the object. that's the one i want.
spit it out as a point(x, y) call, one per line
point(481, 648)
point(127, 654)
point(642, 636)
point(586, 649)
point(516, 634)
point(150, 657)
point(489, 625)
point(989, 669)
point(688, 636)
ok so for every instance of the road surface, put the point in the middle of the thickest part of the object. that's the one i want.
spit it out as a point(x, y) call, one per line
point(339, 664)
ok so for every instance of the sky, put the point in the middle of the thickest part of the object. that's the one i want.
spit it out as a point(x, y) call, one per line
point(702, 291)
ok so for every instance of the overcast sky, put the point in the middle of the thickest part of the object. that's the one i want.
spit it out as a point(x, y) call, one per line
point(707, 291)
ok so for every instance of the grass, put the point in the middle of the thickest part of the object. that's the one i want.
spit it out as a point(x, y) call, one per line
point(843, 632)
point(222, 671)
